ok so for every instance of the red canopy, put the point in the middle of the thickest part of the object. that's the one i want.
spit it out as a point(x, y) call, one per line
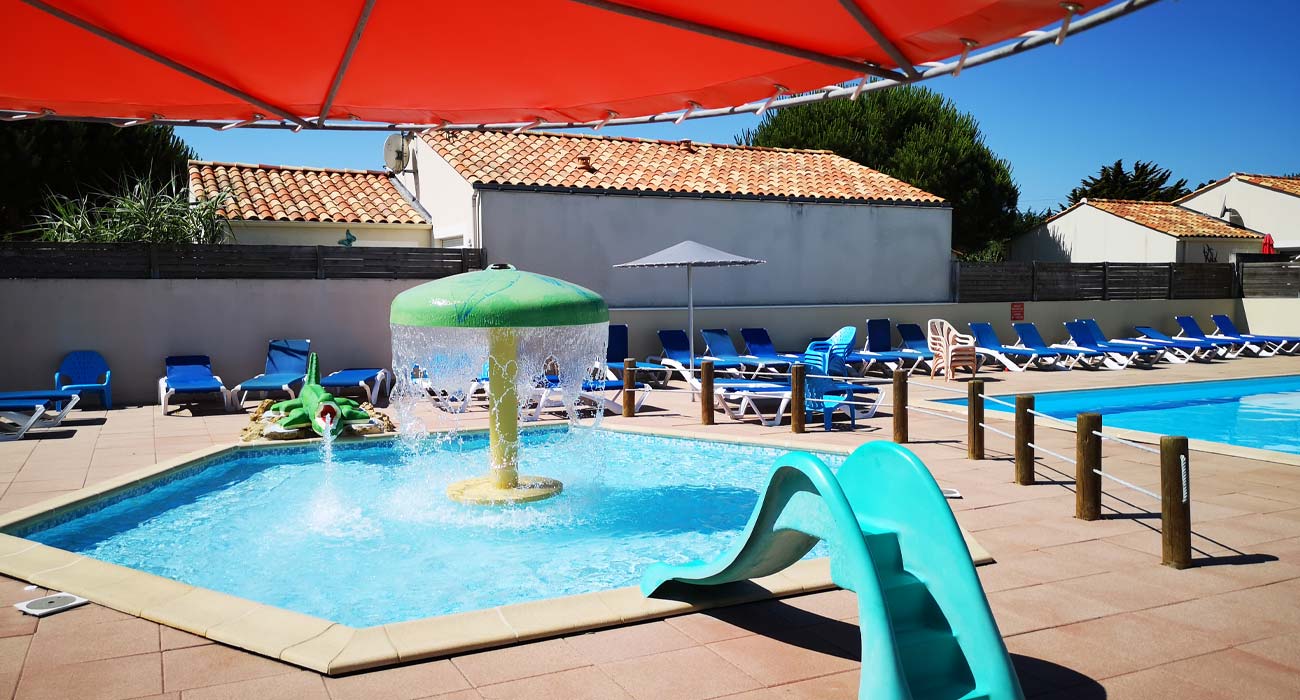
point(509, 61)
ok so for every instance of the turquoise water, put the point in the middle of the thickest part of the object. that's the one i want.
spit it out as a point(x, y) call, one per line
point(1263, 413)
point(373, 540)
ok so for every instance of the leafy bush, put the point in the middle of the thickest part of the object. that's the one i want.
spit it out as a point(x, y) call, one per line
point(144, 212)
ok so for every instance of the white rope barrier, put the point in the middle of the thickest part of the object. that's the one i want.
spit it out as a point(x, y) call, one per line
point(1122, 441)
point(1057, 455)
point(1118, 480)
point(991, 429)
point(936, 414)
point(1049, 417)
point(997, 400)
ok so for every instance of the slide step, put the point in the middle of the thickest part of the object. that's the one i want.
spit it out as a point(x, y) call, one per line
point(933, 664)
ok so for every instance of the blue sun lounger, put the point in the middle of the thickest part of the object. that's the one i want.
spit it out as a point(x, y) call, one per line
point(1286, 344)
point(369, 379)
point(824, 395)
point(190, 374)
point(717, 343)
point(603, 394)
point(1189, 328)
point(61, 400)
point(86, 372)
point(286, 369)
point(988, 344)
point(1192, 349)
point(913, 341)
point(1030, 338)
point(879, 349)
point(17, 416)
point(759, 344)
point(1082, 336)
point(677, 355)
point(617, 351)
point(1094, 329)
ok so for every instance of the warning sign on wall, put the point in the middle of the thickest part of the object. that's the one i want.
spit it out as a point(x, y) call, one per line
point(1017, 311)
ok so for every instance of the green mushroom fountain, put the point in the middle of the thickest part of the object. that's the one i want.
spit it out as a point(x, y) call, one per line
point(523, 329)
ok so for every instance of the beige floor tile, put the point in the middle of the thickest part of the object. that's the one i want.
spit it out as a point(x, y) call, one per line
point(298, 685)
point(798, 655)
point(588, 683)
point(512, 663)
point(685, 674)
point(106, 679)
point(1238, 674)
point(91, 642)
point(404, 683)
point(628, 642)
point(214, 664)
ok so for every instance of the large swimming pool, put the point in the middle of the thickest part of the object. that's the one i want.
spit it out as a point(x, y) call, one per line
point(373, 539)
point(1263, 413)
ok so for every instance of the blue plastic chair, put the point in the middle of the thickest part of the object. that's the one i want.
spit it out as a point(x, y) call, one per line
point(286, 370)
point(823, 395)
point(85, 371)
point(190, 374)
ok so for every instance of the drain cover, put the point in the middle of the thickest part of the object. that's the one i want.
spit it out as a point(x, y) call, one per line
point(50, 604)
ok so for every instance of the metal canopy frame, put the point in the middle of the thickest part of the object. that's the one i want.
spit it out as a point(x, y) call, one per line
point(874, 77)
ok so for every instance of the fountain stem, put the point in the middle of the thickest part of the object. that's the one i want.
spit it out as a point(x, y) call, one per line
point(503, 387)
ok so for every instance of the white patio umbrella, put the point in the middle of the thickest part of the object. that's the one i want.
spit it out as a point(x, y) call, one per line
point(690, 255)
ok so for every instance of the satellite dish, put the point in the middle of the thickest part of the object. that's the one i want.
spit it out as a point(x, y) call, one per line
point(397, 152)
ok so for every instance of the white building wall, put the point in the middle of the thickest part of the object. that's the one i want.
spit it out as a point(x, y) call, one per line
point(815, 253)
point(316, 233)
point(1087, 234)
point(1225, 249)
point(1261, 209)
point(446, 195)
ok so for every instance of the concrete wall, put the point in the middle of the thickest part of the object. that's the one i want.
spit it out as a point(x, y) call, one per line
point(136, 323)
point(1267, 316)
point(1261, 209)
point(815, 253)
point(315, 233)
point(1087, 234)
point(447, 197)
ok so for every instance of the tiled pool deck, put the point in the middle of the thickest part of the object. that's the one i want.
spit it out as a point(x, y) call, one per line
point(1086, 608)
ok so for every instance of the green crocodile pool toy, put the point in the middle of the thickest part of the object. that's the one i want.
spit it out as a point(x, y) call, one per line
point(318, 409)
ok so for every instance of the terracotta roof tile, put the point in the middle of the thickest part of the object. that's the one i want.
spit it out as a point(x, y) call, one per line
point(1289, 185)
point(580, 161)
point(1172, 219)
point(284, 193)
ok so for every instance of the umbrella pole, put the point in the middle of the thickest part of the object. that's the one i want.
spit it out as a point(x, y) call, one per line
point(690, 320)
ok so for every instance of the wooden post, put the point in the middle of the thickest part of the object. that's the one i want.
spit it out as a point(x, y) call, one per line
point(798, 411)
point(975, 419)
point(900, 406)
point(1024, 436)
point(706, 392)
point(629, 387)
point(1175, 503)
point(1087, 458)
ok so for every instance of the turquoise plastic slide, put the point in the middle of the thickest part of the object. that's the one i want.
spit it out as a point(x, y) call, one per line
point(927, 630)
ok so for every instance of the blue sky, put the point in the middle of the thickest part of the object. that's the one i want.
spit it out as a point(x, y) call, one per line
point(1203, 87)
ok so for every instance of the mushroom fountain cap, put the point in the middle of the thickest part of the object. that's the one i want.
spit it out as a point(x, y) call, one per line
point(498, 297)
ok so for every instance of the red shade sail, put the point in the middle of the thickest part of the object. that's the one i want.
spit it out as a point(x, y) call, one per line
point(409, 62)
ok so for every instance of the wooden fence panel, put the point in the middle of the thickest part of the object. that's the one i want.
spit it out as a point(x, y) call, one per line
point(74, 260)
point(1137, 281)
point(1069, 281)
point(1270, 279)
point(1004, 281)
point(143, 261)
point(1203, 281)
